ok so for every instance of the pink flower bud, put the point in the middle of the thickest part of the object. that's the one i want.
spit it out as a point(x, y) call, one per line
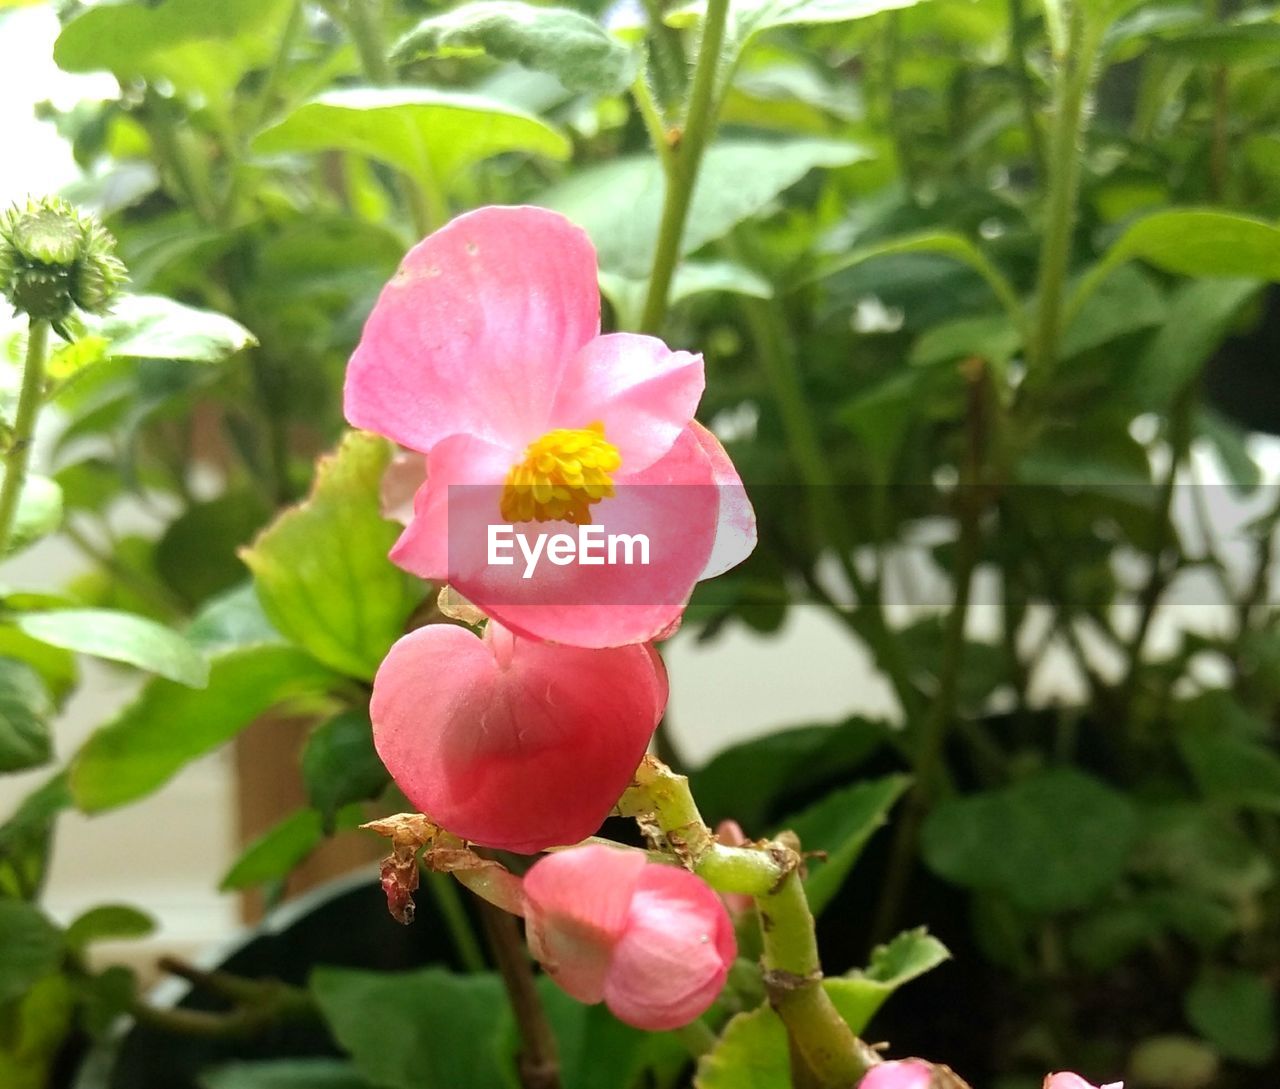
point(1067, 1080)
point(653, 942)
point(513, 743)
point(899, 1074)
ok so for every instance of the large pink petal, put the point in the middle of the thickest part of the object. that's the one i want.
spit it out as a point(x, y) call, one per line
point(1068, 1080)
point(510, 743)
point(577, 904)
point(674, 955)
point(474, 331)
point(674, 504)
point(899, 1074)
point(736, 529)
point(644, 393)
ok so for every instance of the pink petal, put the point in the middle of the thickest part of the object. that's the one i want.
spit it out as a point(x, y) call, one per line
point(510, 743)
point(674, 955)
point(577, 904)
point(674, 503)
point(644, 393)
point(400, 482)
point(736, 530)
point(899, 1074)
point(474, 331)
point(1068, 1080)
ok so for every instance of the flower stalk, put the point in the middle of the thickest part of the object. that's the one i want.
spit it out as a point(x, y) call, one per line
point(18, 454)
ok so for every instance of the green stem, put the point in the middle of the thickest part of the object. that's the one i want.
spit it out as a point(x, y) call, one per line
point(682, 172)
point(456, 922)
point(651, 115)
point(18, 455)
point(1072, 79)
point(364, 26)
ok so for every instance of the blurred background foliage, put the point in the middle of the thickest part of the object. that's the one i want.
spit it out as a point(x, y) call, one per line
point(983, 288)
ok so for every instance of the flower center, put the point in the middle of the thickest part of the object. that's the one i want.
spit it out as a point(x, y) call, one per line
point(562, 474)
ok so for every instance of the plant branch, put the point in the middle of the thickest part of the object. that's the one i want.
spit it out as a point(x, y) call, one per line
point(682, 169)
point(18, 455)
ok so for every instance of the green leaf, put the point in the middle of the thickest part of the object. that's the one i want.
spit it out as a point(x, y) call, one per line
point(840, 825)
point(274, 854)
point(153, 327)
point(426, 133)
point(25, 710)
point(25, 839)
point(169, 725)
point(745, 780)
point(752, 1052)
point(881, 417)
point(340, 764)
point(692, 278)
point(195, 45)
point(1236, 1012)
point(36, 1031)
point(1200, 316)
point(571, 46)
point(196, 555)
point(1242, 44)
point(109, 922)
point(859, 995)
point(57, 668)
point(945, 244)
point(1131, 302)
point(30, 947)
point(120, 637)
point(233, 620)
point(1228, 440)
point(321, 569)
point(429, 1029)
point(1054, 841)
point(39, 511)
point(990, 336)
point(1230, 768)
point(619, 203)
point(285, 1074)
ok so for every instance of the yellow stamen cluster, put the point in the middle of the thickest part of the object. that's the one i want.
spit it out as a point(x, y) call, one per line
point(562, 474)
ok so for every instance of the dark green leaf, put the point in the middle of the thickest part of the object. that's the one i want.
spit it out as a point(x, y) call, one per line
point(340, 764)
point(109, 922)
point(1236, 1012)
point(1232, 768)
point(285, 1074)
point(840, 825)
point(196, 556)
point(30, 947)
point(120, 637)
point(277, 851)
point(1052, 842)
point(169, 725)
point(1242, 44)
point(572, 47)
point(25, 839)
point(321, 568)
point(25, 709)
point(416, 1030)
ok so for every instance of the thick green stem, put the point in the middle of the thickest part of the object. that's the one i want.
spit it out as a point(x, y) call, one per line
point(682, 166)
point(1073, 78)
point(24, 429)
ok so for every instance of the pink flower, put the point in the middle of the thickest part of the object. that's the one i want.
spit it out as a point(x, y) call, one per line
point(1067, 1080)
point(899, 1074)
point(653, 942)
point(512, 743)
point(484, 353)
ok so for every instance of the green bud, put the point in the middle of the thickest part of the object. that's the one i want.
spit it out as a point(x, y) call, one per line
point(54, 258)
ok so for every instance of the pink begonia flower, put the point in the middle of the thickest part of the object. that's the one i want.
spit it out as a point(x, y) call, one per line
point(899, 1074)
point(509, 742)
point(653, 942)
point(1067, 1080)
point(484, 353)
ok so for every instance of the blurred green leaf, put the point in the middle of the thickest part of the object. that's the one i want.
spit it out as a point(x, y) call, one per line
point(1051, 842)
point(57, 667)
point(36, 1027)
point(340, 764)
point(39, 511)
point(120, 637)
point(1173, 1062)
point(321, 568)
point(196, 555)
point(1236, 1012)
point(232, 620)
point(745, 781)
point(30, 947)
point(619, 203)
point(25, 839)
point(859, 995)
point(429, 1029)
point(571, 46)
point(283, 846)
point(108, 922)
point(169, 726)
point(428, 134)
point(285, 1074)
point(840, 826)
point(153, 327)
point(1230, 768)
point(692, 278)
point(25, 710)
point(1241, 44)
